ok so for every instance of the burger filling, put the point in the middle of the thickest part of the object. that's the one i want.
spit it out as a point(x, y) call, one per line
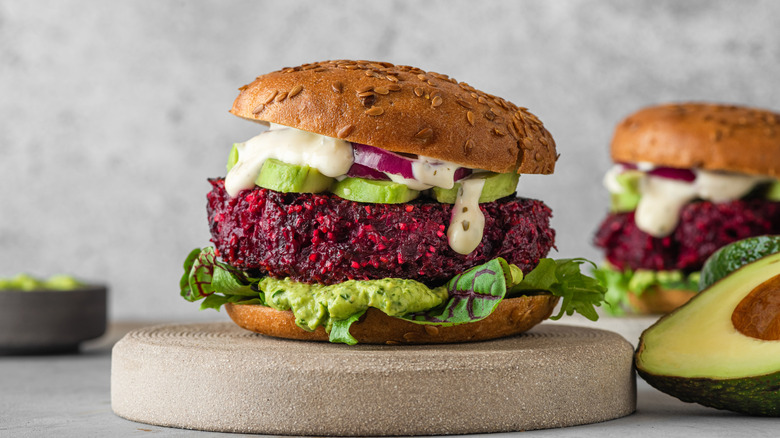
point(666, 222)
point(660, 193)
point(327, 228)
point(336, 158)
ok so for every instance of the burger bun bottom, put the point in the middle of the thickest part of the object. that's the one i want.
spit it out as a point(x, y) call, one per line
point(659, 301)
point(511, 317)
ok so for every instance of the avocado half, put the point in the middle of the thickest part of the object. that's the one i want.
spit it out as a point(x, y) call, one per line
point(721, 349)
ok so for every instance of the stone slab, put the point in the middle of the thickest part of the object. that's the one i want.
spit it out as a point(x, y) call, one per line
point(219, 377)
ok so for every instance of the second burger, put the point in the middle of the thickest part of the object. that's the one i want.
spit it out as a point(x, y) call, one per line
point(688, 179)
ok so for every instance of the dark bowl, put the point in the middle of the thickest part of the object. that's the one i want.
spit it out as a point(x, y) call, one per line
point(51, 321)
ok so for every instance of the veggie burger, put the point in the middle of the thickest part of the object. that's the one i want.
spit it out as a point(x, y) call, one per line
point(689, 178)
point(380, 206)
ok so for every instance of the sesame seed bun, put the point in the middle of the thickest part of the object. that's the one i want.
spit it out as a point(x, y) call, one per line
point(401, 109)
point(701, 135)
point(511, 317)
point(659, 301)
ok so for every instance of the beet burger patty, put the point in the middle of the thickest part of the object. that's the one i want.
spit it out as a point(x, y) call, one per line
point(326, 239)
point(381, 206)
point(704, 227)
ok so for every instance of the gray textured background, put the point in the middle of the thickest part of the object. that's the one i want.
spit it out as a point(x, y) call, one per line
point(113, 114)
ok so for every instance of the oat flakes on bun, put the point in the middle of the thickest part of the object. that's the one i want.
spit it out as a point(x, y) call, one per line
point(379, 206)
point(688, 179)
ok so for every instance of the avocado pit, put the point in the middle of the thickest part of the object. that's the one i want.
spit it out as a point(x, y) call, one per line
point(758, 314)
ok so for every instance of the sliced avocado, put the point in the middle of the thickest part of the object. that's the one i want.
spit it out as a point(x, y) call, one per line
point(286, 178)
point(375, 191)
point(497, 185)
point(773, 193)
point(233, 157)
point(722, 348)
point(628, 199)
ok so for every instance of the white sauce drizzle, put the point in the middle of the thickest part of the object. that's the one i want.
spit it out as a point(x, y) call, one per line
point(724, 187)
point(467, 223)
point(428, 172)
point(658, 211)
point(331, 156)
point(434, 172)
point(661, 199)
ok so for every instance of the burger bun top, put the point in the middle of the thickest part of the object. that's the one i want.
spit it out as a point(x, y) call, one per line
point(401, 109)
point(701, 135)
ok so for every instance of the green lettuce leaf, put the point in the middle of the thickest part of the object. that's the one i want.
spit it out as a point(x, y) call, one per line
point(562, 277)
point(216, 282)
point(474, 295)
point(621, 283)
point(339, 331)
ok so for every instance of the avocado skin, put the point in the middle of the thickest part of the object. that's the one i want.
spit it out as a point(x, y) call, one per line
point(759, 395)
point(736, 255)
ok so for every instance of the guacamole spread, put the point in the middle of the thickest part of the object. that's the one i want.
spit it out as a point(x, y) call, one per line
point(316, 304)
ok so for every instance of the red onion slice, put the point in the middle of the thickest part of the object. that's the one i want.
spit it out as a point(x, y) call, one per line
point(381, 161)
point(686, 175)
point(361, 171)
point(461, 173)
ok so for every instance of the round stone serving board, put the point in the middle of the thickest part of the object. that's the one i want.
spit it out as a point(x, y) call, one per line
point(219, 377)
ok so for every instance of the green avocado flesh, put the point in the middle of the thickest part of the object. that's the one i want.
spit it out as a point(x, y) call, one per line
point(698, 355)
point(628, 199)
point(497, 186)
point(316, 304)
point(368, 190)
point(773, 193)
point(286, 178)
point(233, 157)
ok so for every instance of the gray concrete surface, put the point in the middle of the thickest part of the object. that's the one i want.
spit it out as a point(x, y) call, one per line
point(113, 114)
point(69, 396)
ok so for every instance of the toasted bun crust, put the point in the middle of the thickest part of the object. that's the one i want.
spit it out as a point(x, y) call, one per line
point(658, 301)
point(401, 109)
point(512, 316)
point(701, 135)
